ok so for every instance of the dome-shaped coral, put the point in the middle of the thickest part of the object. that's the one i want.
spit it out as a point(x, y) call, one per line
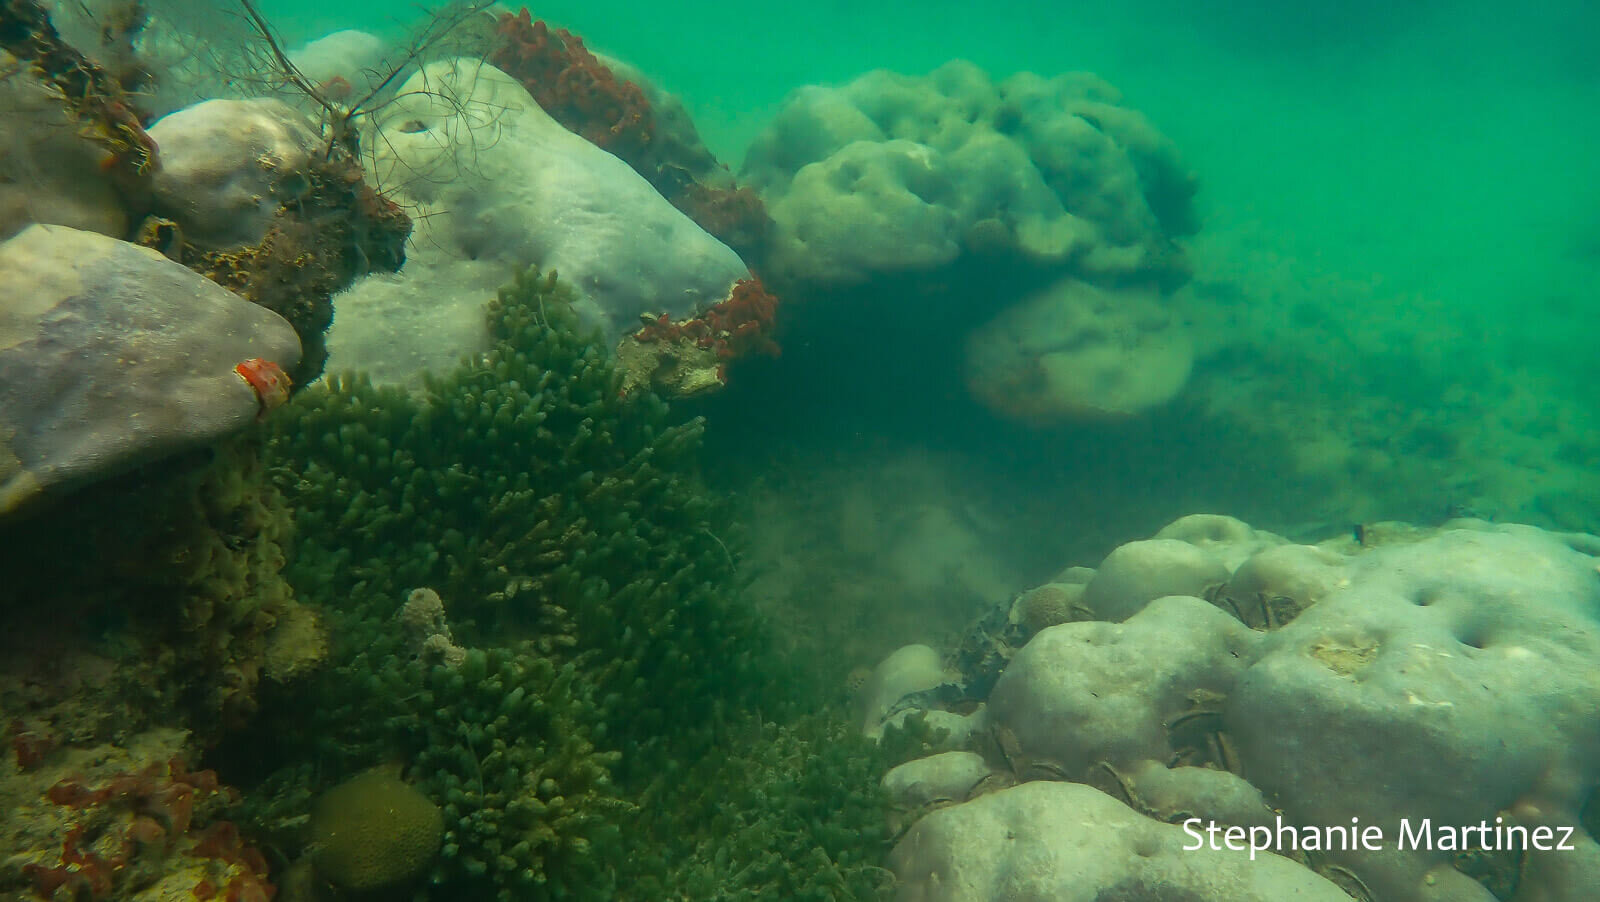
point(374, 830)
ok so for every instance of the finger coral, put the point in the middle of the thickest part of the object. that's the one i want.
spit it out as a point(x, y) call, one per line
point(580, 554)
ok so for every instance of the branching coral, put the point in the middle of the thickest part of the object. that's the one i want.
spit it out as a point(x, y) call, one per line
point(504, 744)
point(567, 527)
point(776, 812)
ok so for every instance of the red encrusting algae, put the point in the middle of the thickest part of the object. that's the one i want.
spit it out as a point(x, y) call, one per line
point(132, 821)
point(574, 87)
point(740, 326)
point(588, 99)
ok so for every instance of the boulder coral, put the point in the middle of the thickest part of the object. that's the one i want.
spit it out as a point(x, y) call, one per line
point(499, 184)
point(1426, 680)
point(112, 356)
point(893, 173)
point(374, 831)
point(615, 108)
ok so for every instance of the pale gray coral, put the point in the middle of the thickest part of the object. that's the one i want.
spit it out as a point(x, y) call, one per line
point(497, 185)
point(1448, 675)
point(228, 165)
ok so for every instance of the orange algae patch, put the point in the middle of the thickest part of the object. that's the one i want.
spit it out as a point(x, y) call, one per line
point(270, 382)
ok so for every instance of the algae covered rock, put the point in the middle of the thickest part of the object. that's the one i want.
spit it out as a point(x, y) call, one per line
point(254, 197)
point(374, 830)
point(48, 173)
point(112, 356)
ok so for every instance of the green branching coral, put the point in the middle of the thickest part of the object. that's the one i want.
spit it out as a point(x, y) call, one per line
point(578, 555)
point(780, 812)
point(502, 742)
point(542, 504)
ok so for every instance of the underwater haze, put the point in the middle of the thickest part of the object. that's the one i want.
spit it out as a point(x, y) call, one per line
point(717, 451)
point(1441, 147)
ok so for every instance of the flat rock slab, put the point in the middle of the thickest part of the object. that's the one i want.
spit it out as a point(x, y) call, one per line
point(111, 356)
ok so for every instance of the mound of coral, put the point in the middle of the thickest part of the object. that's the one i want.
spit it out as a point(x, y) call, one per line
point(1074, 351)
point(1025, 232)
point(1219, 674)
point(892, 173)
point(614, 107)
point(499, 183)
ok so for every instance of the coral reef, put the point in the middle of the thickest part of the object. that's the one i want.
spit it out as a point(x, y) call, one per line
point(893, 174)
point(248, 193)
point(1400, 676)
point(566, 526)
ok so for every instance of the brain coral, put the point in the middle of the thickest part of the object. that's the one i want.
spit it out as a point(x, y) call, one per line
point(894, 172)
point(374, 830)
